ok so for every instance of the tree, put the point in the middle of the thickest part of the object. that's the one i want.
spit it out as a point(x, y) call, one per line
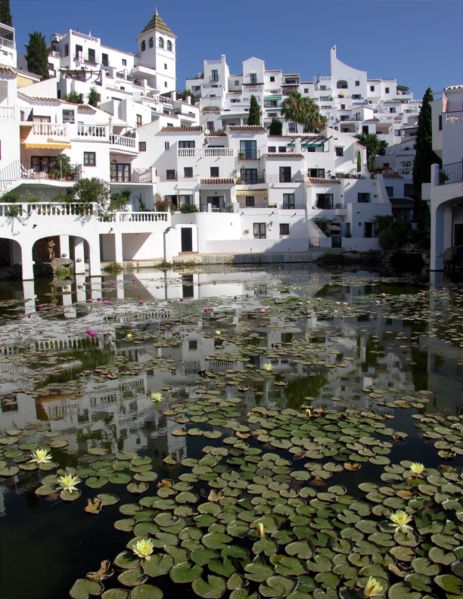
point(93, 97)
point(91, 191)
point(374, 146)
point(303, 110)
point(254, 112)
point(5, 14)
point(424, 155)
point(37, 55)
point(276, 127)
point(187, 94)
point(75, 98)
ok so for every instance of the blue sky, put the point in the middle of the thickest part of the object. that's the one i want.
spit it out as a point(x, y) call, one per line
point(417, 42)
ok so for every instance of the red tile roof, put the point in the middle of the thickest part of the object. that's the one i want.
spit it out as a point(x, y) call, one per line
point(218, 181)
point(281, 155)
point(324, 181)
point(247, 128)
point(183, 128)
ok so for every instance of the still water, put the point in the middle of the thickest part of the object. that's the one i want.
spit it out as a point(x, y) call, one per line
point(132, 366)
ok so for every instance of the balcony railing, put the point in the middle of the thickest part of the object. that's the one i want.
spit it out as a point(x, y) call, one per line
point(50, 129)
point(24, 210)
point(99, 131)
point(142, 217)
point(451, 173)
point(7, 112)
point(122, 141)
point(207, 152)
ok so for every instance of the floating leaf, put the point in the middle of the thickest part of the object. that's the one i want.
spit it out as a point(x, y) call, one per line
point(84, 588)
point(212, 588)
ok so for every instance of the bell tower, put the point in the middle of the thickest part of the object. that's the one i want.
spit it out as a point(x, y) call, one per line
point(157, 51)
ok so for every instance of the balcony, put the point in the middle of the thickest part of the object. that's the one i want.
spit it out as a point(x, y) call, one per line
point(123, 143)
point(451, 173)
point(7, 113)
point(47, 136)
point(95, 131)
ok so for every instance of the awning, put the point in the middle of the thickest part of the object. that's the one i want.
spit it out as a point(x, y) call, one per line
point(48, 146)
point(253, 192)
point(272, 97)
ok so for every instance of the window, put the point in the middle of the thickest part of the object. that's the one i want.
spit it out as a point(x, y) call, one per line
point(272, 149)
point(363, 198)
point(249, 176)
point(393, 110)
point(289, 201)
point(143, 46)
point(139, 120)
point(68, 116)
point(105, 60)
point(124, 62)
point(189, 143)
point(253, 78)
point(259, 230)
point(325, 201)
point(285, 174)
point(389, 191)
point(161, 42)
point(91, 55)
point(339, 151)
point(66, 49)
point(166, 145)
point(365, 129)
point(142, 146)
point(214, 75)
point(372, 88)
point(386, 90)
point(249, 201)
point(79, 50)
point(292, 127)
point(272, 78)
point(214, 171)
point(248, 148)
point(188, 172)
point(357, 83)
point(121, 172)
point(356, 96)
point(316, 172)
point(169, 45)
point(151, 42)
point(210, 126)
point(170, 174)
point(341, 84)
point(440, 122)
point(281, 149)
point(89, 159)
point(284, 229)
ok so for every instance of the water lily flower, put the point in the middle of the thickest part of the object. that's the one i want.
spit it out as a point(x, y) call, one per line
point(143, 548)
point(68, 482)
point(400, 520)
point(40, 456)
point(261, 530)
point(218, 332)
point(156, 397)
point(373, 588)
point(308, 413)
point(416, 468)
point(129, 335)
point(268, 367)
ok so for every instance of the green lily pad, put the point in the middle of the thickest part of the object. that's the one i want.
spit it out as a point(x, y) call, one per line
point(158, 565)
point(276, 586)
point(185, 572)
point(115, 594)
point(146, 591)
point(83, 588)
point(450, 584)
point(132, 577)
point(212, 588)
point(258, 571)
point(216, 540)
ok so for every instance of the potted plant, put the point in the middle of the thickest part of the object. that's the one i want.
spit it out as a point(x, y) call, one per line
point(61, 168)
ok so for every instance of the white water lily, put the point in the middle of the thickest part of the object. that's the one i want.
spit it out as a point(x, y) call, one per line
point(143, 548)
point(268, 367)
point(400, 520)
point(156, 397)
point(40, 456)
point(416, 468)
point(373, 588)
point(68, 482)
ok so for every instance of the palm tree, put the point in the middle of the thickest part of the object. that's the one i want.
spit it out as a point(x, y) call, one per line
point(303, 110)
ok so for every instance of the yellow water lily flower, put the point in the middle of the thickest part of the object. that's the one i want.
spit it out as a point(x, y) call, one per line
point(129, 335)
point(261, 530)
point(156, 397)
point(40, 456)
point(68, 482)
point(400, 520)
point(373, 588)
point(218, 332)
point(416, 468)
point(143, 548)
point(268, 367)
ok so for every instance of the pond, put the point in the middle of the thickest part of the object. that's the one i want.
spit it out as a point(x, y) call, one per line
point(278, 432)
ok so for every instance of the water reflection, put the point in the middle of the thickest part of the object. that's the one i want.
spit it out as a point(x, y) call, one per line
point(86, 356)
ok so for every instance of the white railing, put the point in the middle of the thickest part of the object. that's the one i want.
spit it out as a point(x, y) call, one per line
point(9, 174)
point(208, 152)
point(92, 131)
point(122, 141)
point(55, 129)
point(142, 217)
point(7, 112)
point(26, 209)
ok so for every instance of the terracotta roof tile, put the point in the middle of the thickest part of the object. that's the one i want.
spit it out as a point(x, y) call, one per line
point(156, 22)
point(6, 70)
point(247, 128)
point(172, 129)
point(218, 181)
point(49, 100)
point(85, 108)
point(324, 181)
point(281, 155)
